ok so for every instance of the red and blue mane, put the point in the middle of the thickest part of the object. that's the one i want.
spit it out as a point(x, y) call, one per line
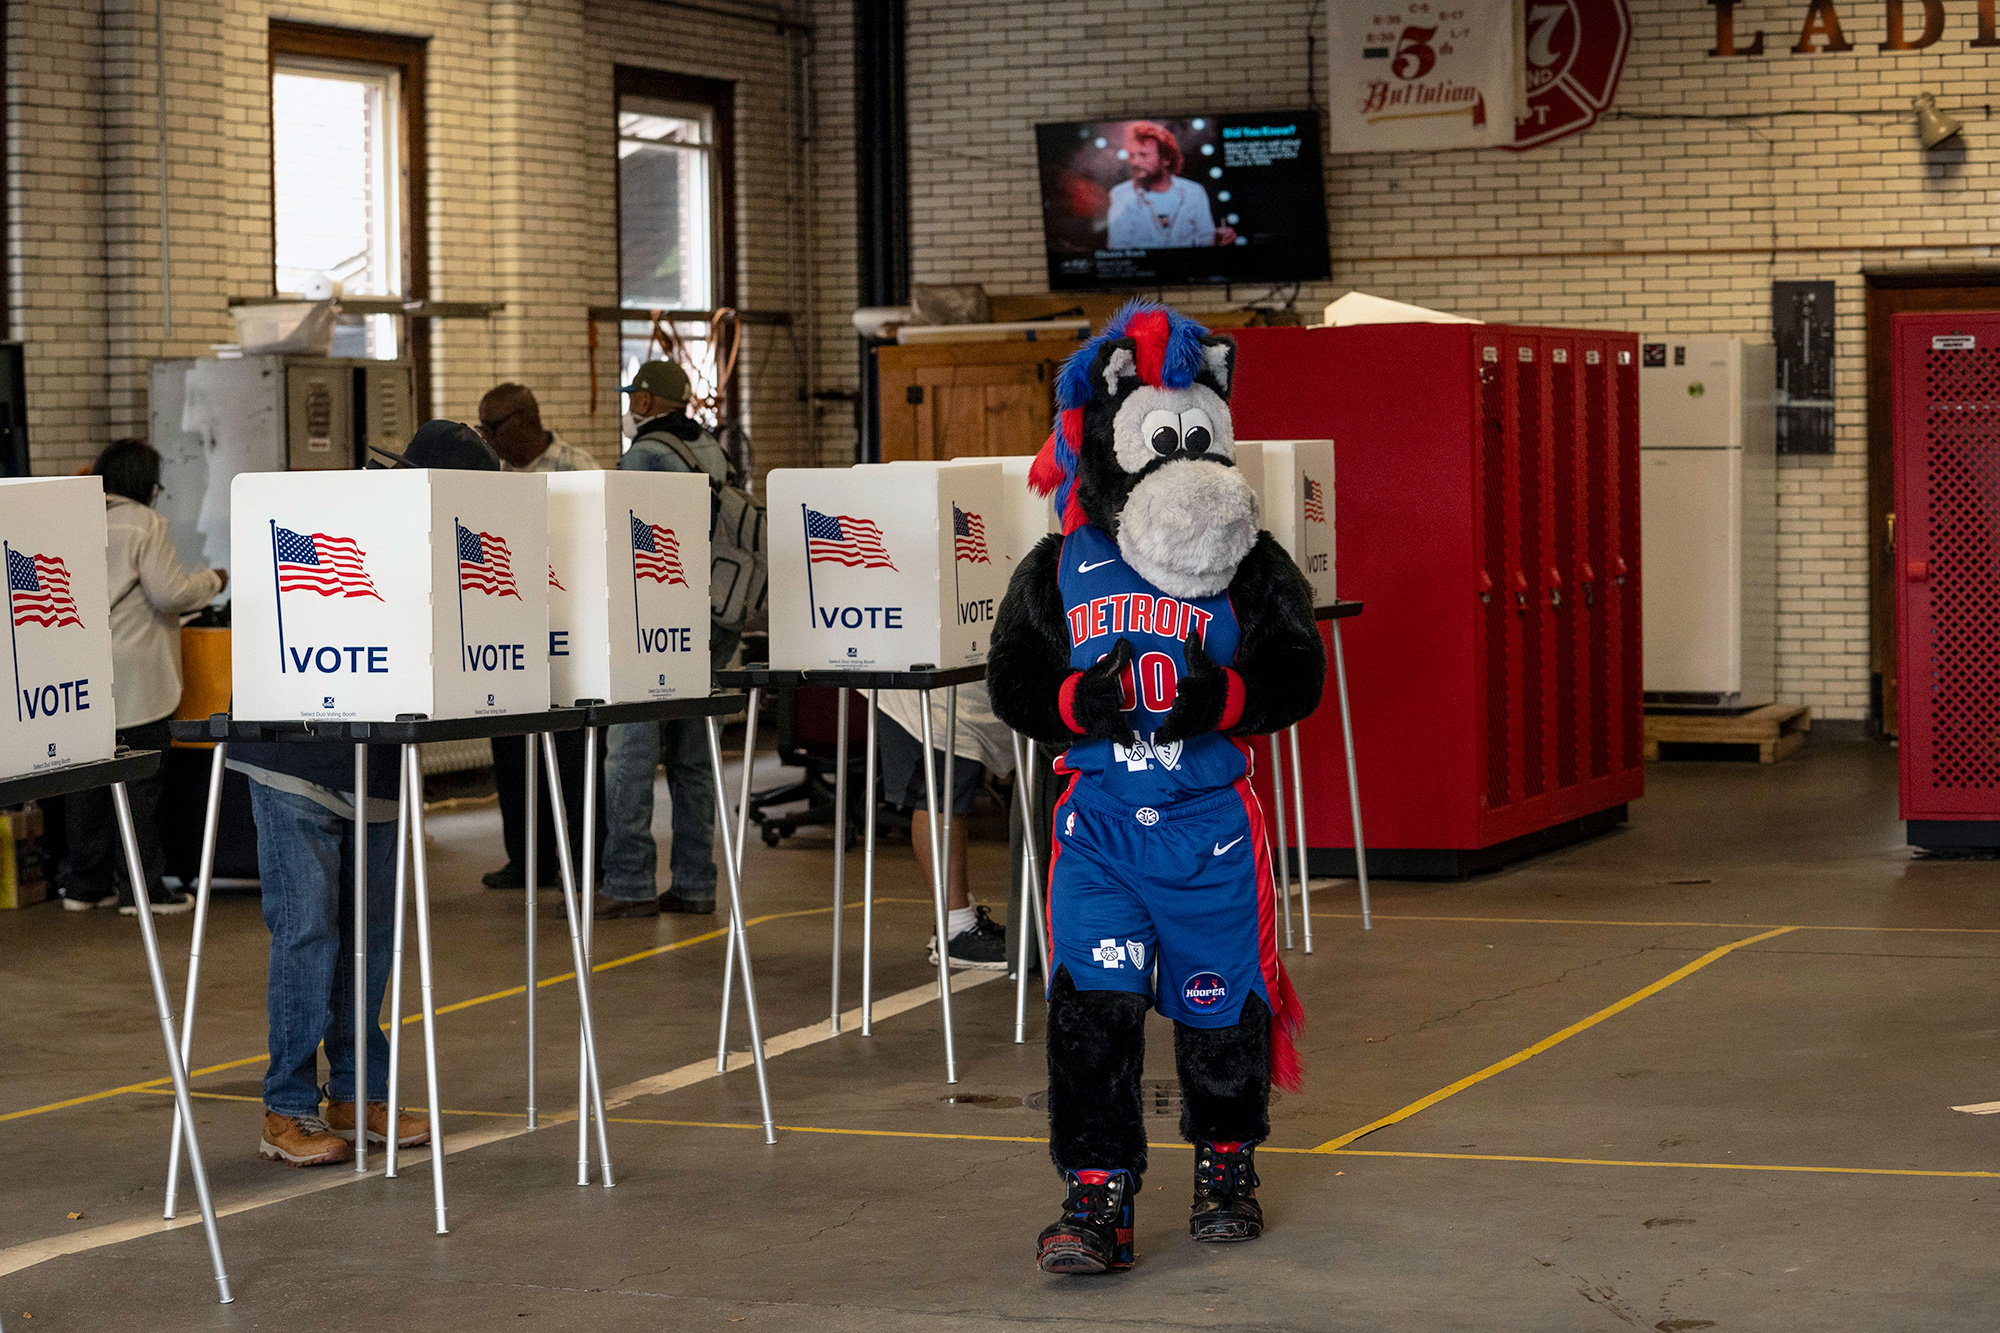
point(1169, 354)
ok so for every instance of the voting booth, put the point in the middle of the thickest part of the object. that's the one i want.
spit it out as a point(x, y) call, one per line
point(365, 596)
point(884, 565)
point(1025, 517)
point(1294, 484)
point(628, 586)
point(58, 627)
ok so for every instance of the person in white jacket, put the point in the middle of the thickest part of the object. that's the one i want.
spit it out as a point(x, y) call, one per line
point(150, 591)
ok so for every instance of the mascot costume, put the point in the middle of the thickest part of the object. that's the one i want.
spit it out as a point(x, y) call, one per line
point(1158, 628)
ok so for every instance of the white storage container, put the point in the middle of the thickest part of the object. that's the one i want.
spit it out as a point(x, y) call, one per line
point(368, 595)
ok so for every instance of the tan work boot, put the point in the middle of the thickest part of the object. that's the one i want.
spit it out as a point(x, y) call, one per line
point(411, 1131)
point(301, 1140)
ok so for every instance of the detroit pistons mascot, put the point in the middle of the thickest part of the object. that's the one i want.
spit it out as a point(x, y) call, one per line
point(1159, 628)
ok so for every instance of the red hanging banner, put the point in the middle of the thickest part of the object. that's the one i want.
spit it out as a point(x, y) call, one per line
point(1575, 53)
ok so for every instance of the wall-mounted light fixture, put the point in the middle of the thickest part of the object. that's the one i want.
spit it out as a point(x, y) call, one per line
point(1933, 126)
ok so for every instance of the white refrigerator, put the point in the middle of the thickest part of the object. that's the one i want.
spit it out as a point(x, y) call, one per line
point(1708, 508)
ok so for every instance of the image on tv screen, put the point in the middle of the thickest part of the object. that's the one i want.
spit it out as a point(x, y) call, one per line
point(1176, 200)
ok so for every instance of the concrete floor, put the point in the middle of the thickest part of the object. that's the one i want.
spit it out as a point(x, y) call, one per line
point(1766, 1143)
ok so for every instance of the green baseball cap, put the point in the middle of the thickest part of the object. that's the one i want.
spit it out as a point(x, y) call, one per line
point(662, 379)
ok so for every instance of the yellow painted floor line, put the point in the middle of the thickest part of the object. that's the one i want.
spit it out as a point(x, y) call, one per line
point(1705, 925)
point(1266, 1148)
point(1583, 1025)
point(1684, 1166)
point(16, 1257)
point(155, 1084)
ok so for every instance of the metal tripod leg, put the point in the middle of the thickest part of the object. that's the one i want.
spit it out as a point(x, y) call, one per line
point(579, 959)
point(389, 1148)
point(868, 871)
point(1031, 890)
point(362, 1018)
point(839, 844)
point(939, 860)
point(1353, 784)
point(1299, 823)
point(529, 745)
point(1284, 864)
point(203, 883)
point(586, 1074)
point(136, 876)
point(730, 930)
point(732, 857)
point(413, 777)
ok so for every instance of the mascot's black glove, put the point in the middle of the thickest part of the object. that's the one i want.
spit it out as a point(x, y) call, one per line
point(1093, 700)
point(1208, 698)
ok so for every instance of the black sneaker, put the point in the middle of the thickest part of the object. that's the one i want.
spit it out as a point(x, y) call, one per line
point(1225, 1194)
point(1094, 1234)
point(165, 901)
point(508, 876)
point(982, 945)
point(673, 903)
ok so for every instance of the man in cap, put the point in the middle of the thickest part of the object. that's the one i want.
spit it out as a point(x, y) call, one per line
point(664, 439)
point(511, 421)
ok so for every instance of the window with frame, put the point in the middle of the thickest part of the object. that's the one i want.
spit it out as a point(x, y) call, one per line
point(674, 233)
point(347, 178)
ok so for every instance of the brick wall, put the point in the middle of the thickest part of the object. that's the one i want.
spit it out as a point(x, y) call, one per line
point(1678, 223)
point(522, 205)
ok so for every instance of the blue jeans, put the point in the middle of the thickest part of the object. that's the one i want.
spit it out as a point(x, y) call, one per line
point(305, 854)
point(631, 857)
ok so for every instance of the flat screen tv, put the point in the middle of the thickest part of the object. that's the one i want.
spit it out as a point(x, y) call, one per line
point(1168, 201)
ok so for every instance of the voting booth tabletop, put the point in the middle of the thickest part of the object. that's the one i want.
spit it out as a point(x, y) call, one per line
point(761, 677)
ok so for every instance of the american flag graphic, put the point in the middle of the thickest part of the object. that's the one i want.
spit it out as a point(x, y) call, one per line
point(968, 537)
point(656, 555)
point(555, 582)
point(841, 540)
point(329, 566)
point(484, 565)
point(1315, 501)
point(39, 587)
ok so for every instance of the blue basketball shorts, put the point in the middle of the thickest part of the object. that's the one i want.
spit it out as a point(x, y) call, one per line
point(1184, 889)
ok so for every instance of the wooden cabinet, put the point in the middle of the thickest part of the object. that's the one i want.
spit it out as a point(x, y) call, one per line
point(967, 400)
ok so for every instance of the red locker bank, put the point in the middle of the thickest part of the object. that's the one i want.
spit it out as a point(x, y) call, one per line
point(1946, 371)
point(1487, 513)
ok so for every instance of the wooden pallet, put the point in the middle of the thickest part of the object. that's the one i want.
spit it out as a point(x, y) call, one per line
point(1777, 730)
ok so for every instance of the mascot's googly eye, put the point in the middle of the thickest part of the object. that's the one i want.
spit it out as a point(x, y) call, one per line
point(1197, 432)
point(1162, 431)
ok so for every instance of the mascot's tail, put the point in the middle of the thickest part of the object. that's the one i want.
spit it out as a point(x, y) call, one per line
point(1288, 1017)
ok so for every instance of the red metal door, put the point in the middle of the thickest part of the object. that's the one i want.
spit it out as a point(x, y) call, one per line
point(1498, 631)
point(1622, 510)
point(1565, 605)
point(1946, 372)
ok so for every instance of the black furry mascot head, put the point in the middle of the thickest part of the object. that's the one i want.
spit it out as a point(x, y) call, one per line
point(1143, 448)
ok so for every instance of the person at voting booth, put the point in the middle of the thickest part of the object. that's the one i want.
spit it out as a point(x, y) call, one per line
point(302, 799)
point(150, 591)
point(663, 439)
point(983, 745)
point(510, 420)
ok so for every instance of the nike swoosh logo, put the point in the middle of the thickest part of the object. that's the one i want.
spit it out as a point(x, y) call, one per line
point(1231, 843)
point(1082, 568)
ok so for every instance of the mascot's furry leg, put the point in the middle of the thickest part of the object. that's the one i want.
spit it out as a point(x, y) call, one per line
point(1225, 1078)
point(1097, 1133)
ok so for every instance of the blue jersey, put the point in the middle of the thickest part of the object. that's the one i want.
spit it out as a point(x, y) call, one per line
point(1105, 600)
